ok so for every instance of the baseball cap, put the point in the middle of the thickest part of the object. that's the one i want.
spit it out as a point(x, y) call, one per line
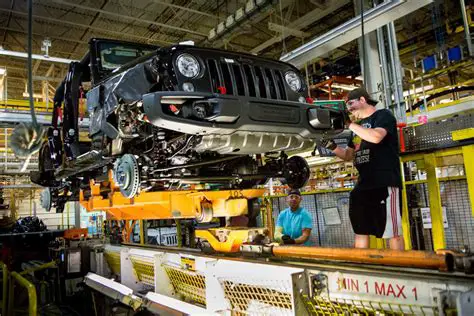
point(361, 92)
point(295, 192)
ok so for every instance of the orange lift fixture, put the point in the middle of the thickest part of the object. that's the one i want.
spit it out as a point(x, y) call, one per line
point(202, 205)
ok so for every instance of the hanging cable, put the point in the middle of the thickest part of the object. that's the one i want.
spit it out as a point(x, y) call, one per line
point(27, 137)
point(363, 66)
point(30, 62)
point(283, 22)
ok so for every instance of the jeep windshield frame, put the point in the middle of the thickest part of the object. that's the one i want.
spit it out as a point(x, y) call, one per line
point(107, 56)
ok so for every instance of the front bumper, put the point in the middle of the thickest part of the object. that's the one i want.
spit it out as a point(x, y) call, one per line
point(242, 125)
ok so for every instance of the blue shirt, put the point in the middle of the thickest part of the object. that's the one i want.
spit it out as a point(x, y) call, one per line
point(293, 223)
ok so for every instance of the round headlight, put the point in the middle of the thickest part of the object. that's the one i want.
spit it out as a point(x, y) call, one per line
point(293, 80)
point(188, 65)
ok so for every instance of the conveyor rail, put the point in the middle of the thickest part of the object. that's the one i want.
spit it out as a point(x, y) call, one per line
point(226, 284)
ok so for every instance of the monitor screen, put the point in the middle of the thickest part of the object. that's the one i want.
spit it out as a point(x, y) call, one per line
point(429, 63)
point(454, 54)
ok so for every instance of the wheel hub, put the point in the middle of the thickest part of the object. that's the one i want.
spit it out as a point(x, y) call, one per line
point(46, 199)
point(127, 176)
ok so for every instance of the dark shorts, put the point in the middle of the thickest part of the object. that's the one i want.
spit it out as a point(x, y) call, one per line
point(376, 212)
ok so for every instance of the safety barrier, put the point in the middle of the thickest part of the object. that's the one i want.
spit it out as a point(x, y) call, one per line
point(8, 289)
point(438, 206)
point(330, 216)
point(458, 225)
point(144, 268)
point(242, 287)
point(189, 284)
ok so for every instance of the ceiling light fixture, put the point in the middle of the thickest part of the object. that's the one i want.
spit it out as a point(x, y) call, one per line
point(250, 8)
point(343, 86)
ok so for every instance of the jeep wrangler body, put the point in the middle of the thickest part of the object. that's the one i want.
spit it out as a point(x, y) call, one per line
point(161, 118)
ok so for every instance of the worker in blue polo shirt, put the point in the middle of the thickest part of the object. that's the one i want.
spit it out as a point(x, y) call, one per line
point(294, 224)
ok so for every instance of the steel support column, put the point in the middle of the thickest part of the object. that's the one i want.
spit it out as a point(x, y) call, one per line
point(397, 74)
point(370, 63)
point(466, 29)
point(77, 214)
point(387, 96)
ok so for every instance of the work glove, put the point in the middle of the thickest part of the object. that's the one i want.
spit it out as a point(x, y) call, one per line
point(287, 240)
point(328, 144)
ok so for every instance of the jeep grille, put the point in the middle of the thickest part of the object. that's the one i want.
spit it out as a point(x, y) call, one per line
point(247, 80)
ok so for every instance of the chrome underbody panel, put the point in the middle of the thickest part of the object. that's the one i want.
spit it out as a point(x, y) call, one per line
point(245, 143)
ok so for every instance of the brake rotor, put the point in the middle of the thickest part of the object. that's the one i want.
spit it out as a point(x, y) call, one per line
point(127, 175)
point(296, 172)
point(46, 199)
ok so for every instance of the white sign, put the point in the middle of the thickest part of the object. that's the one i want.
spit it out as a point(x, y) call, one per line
point(331, 216)
point(426, 217)
point(385, 290)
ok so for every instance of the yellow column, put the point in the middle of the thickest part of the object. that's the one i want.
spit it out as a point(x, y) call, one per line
point(437, 231)
point(405, 216)
point(468, 155)
point(376, 243)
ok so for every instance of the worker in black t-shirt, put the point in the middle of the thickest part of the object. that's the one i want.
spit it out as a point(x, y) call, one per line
point(375, 202)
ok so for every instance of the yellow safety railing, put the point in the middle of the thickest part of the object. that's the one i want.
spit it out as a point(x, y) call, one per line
point(12, 104)
point(32, 300)
point(4, 287)
point(51, 264)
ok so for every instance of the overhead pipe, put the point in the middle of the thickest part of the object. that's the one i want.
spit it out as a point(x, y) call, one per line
point(412, 258)
point(386, 257)
point(375, 17)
